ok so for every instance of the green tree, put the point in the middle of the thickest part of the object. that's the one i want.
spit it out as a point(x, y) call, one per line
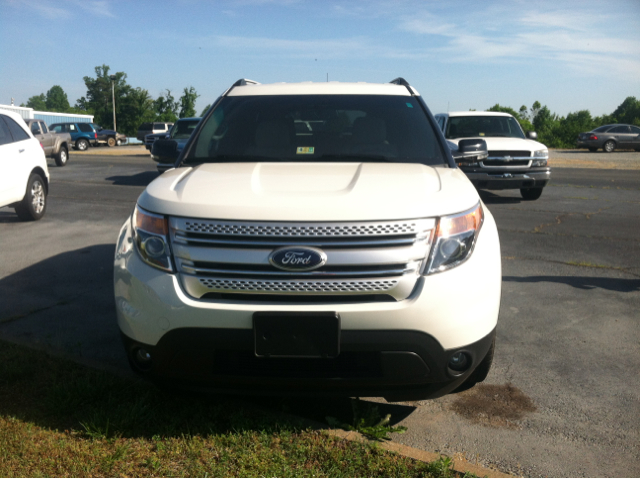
point(205, 110)
point(38, 102)
point(98, 98)
point(137, 108)
point(546, 125)
point(188, 103)
point(57, 100)
point(628, 111)
point(166, 107)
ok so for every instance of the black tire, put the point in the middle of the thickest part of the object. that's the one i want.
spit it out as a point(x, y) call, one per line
point(531, 194)
point(62, 157)
point(609, 146)
point(82, 144)
point(593, 150)
point(34, 204)
point(480, 373)
point(111, 141)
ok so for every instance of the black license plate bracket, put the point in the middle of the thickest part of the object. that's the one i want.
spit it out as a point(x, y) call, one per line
point(296, 334)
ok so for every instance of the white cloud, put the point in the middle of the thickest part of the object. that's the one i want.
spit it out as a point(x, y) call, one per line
point(66, 9)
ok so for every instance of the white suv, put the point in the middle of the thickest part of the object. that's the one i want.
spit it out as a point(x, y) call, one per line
point(24, 177)
point(313, 238)
point(515, 160)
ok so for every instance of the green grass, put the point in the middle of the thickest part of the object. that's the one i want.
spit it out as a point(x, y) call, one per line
point(59, 418)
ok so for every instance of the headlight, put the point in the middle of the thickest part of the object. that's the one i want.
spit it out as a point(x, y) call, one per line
point(454, 240)
point(151, 233)
point(540, 158)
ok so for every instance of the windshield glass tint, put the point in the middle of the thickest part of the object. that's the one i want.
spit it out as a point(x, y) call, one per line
point(474, 126)
point(183, 129)
point(317, 128)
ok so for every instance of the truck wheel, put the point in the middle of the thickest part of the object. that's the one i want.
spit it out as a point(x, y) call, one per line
point(62, 156)
point(82, 144)
point(593, 150)
point(531, 194)
point(111, 141)
point(609, 146)
point(34, 203)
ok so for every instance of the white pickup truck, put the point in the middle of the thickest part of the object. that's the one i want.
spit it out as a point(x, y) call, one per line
point(313, 238)
point(515, 160)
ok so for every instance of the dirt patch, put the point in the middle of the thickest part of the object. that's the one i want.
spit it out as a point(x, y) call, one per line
point(494, 405)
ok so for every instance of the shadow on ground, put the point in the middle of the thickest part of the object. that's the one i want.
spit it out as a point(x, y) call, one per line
point(139, 179)
point(582, 282)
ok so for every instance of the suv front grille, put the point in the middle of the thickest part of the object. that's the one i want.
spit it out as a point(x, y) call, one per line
point(511, 153)
point(368, 258)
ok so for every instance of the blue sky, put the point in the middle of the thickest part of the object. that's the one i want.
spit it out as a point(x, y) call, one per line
point(569, 55)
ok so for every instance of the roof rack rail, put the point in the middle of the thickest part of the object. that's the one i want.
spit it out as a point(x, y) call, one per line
point(400, 81)
point(245, 81)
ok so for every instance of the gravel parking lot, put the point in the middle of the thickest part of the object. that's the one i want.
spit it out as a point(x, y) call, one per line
point(563, 398)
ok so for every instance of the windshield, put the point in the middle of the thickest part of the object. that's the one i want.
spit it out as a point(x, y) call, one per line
point(317, 128)
point(474, 126)
point(183, 129)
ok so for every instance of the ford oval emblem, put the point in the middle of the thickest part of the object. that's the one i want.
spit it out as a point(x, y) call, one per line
point(298, 258)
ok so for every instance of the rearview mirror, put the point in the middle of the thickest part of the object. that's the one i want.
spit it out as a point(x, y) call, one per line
point(470, 152)
point(532, 135)
point(165, 151)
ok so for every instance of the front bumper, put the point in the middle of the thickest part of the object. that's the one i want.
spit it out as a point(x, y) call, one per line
point(508, 180)
point(398, 350)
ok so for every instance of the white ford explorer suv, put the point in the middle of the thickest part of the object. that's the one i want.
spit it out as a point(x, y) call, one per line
point(24, 177)
point(515, 160)
point(313, 238)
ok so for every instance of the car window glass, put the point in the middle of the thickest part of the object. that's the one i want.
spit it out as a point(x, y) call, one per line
point(318, 128)
point(602, 128)
point(57, 128)
point(35, 129)
point(17, 132)
point(5, 134)
point(635, 130)
point(183, 129)
point(619, 129)
point(71, 128)
point(483, 126)
point(85, 127)
point(43, 127)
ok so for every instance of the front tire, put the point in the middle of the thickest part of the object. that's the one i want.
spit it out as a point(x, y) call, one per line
point(34, 204)
point(82, 144)
point(111, 141)
point(62, 157)
point(609, 146)
point(531, 194)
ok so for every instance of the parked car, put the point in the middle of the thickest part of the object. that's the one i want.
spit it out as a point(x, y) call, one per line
point(353, 258)
point(515, 160)
point(152, 128)
point(109, 137)
point(55, 145)
point(173, 143)
point(152, 137)
point(24, 177)
point(82, 134)
point(610, 137)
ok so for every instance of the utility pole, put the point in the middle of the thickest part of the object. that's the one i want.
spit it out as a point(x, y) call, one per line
point(113, 99)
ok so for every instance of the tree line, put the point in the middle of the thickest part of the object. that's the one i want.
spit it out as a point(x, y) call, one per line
point(557, 131)
point(134, 106)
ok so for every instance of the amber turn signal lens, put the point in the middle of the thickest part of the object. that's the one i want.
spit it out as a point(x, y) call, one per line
point(151, 223)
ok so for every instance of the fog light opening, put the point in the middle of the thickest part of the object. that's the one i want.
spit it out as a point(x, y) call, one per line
point(459, 362)
point(142, 359)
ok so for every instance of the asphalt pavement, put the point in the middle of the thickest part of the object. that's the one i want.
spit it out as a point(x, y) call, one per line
point(563, 397)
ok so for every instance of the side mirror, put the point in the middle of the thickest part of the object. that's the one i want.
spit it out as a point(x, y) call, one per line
point(165, 151)
point(470, 152)
point(532, 135)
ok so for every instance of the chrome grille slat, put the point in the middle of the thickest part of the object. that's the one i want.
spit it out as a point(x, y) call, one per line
point(364, 258)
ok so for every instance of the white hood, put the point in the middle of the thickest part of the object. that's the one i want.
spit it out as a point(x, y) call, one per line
point(309, 191)
point(498, 143)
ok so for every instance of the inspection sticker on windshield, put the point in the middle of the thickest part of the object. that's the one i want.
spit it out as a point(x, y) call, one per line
point(305, 150)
